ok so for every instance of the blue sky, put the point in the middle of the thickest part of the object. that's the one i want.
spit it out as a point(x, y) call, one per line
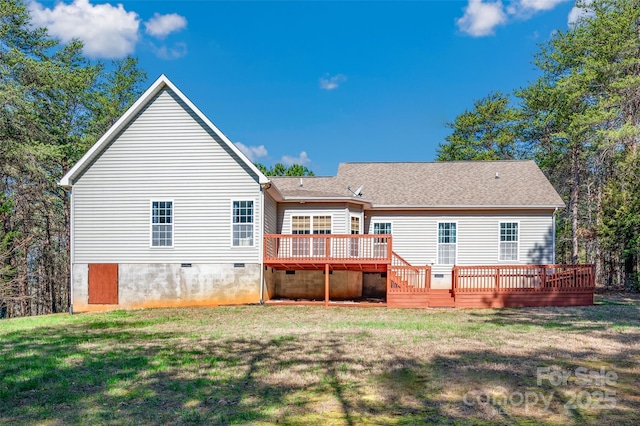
point(321, 83)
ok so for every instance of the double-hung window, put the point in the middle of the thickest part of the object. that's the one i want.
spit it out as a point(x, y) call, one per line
point(382, 228)
point(242, 223)
point(380, 244)
point(355, 230)
point(321, 226)
point(161, 223)
point(447, 241)
point(300, 225)
point(305, 225)
point(508, 241)
point(355, 225)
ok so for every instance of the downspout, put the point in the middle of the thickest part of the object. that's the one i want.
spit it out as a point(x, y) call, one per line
point(553, 253)
point(71, 251)
point(261, 244)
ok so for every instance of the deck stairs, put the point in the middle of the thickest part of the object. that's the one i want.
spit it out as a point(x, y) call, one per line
point(410, 286)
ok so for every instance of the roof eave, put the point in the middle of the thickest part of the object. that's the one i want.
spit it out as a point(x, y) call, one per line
point(299, 199)
point(273, 191)
point(465, 207)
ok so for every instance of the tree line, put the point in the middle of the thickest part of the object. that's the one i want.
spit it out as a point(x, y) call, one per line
point(579, 121)
point(280, 169)
point(55, 104)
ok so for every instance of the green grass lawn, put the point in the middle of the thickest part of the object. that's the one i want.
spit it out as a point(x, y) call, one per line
point(311, 365)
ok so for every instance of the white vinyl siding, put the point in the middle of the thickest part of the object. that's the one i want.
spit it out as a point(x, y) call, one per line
point(165, 153)
point(162, 223)
point(339, 215)
point(242, 227)
point(270, 215)
point(508, 241)
point(415, 236)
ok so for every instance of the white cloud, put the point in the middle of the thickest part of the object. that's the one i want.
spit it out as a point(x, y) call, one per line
point(178, 50)
point(578, 13)
point(301, 159)
point(537, 5)
point(481, 18)
point(525, 9)
point(107, 31)
point(252, 152)
point(161, 26)
point(329, 82)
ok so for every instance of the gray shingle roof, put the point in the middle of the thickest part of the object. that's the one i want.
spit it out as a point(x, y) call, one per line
point(437, 184)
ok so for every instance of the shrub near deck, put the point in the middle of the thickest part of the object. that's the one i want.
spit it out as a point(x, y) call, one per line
point(308, 365)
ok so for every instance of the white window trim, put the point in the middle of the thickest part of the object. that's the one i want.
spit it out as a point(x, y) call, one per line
point(301, 215)
point(231, 223)
point(455, 262)
point(359, 223)
point(517, 242)
point(311, 221)
point(173, 222)
point(312, 218)
point(373, 223)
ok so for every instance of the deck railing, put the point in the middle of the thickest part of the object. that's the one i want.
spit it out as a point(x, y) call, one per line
point(315, 248)
point(523, 278)
point(406, 278)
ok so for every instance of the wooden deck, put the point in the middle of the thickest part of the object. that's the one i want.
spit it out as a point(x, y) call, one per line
point(371, 253)
point(409, 286)
point(523, 285)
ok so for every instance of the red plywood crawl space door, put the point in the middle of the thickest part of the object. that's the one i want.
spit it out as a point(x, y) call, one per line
point(103, 283)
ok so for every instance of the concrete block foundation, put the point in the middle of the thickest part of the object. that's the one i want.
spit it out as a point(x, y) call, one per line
point(169, 285)
point(309, 285)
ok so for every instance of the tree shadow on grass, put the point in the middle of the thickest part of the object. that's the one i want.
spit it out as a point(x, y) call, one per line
point(598, 320)
point(97, 373)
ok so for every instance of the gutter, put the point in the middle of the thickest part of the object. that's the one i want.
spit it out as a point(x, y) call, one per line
point(553, 253)
point(290, 199)
point(71, 249)
point(462, 207)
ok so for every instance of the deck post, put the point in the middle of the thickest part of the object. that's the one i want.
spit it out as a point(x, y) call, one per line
point(327, 248)
point(326, 285)
point(388, 279)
